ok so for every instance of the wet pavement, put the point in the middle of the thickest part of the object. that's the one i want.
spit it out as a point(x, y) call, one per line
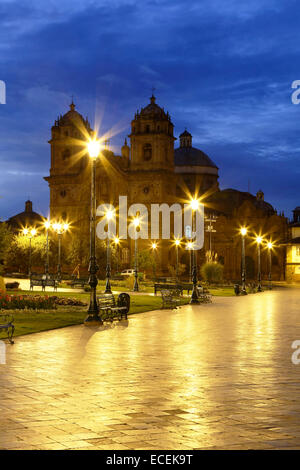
point(200, 377)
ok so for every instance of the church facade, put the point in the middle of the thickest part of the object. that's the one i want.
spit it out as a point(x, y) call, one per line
point(153, 169)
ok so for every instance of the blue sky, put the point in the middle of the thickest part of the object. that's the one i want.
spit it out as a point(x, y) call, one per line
point(222, 69)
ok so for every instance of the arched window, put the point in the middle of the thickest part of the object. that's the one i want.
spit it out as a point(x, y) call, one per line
point(125, 255)
point(188, 231)
point(147, 150)
point(221, 260)
point(66, 154)
point(147, 128)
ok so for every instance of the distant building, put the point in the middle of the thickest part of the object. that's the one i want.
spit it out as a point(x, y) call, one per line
point(151, 170)
point(28, 218)
point(293, 249)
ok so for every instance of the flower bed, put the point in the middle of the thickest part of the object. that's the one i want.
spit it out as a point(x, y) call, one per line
point(37, 302)
point(30, 302)
point(69, 301)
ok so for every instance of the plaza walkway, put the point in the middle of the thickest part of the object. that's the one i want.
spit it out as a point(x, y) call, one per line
point(201, 377)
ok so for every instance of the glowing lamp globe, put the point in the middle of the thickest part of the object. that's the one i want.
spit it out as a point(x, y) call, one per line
point(94, 148)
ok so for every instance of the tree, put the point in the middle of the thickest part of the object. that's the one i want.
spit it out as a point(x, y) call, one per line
point(181, 269)
point(17, 255)
point(212, 272)
point(5, 241)
point(146, 261)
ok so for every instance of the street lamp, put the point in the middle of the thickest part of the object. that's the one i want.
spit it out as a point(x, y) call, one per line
point(59, 229)
point(259, 241)
point(190, 247)
point(243, 232)
point(154, 248)
point(30, 233)
point(270, 247)
point(136, 222)
point(109, 215)
point(177, 244)
point(211, 219)
point(93, 310)
point(194, 296)
point(47, 225)
point(117, 243)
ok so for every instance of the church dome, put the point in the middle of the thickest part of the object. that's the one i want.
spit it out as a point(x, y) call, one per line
point(153, 111)
point(72, 117)
point(26, 218)
point(186, 155)
point(230, 199)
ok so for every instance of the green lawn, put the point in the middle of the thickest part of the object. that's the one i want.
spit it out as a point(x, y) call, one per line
point(32, 322)
point(222, 291)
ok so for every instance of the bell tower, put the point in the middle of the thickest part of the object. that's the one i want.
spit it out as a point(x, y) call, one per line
point(66, 134)
point(152, 139)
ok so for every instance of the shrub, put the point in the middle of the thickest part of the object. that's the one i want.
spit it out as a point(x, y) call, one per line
point(212, 272)
point(21, 302)
point(2, 286)
point(181, 269)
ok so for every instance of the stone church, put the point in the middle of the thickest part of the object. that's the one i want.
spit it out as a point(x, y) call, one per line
point(154, 169)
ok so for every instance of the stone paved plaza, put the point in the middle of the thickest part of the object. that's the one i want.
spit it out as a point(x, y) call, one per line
point(202, 377)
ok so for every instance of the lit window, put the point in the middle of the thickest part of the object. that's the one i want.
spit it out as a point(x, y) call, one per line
point(147, 152)
point(125, 255)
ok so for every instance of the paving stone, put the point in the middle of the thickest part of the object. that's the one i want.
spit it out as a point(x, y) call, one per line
point(215, 376)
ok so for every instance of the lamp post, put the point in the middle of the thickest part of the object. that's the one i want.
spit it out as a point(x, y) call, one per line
point(259, 241)
point(93, 310)
point(59, 229)
point(177, 243)
point(117, 243)
point(154, 248)
point(109, 216)
point(136, 222)
point(194, 296)
point(190, 247)
point(243, 232)
point(47, 225)
point(30, 233)
point(211, 219)
point(270, 246)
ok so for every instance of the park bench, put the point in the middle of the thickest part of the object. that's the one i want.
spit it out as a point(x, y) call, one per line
point(80, 282)
point(7, 324)
point(170, 298)
point(158, 286)
point(43, 280)
point(204, 295)
point(110, 308)
point(166, 286)
point(50, 281)
point(36, 280)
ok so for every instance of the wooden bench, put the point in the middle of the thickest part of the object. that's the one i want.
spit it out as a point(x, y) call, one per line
point(166, 286)
point(80, 282)
point(51, 281)
point(36, 280)
point(42, 280)
point(204, 295)
point(170, 298)
point(7, 324)
point(110, 308)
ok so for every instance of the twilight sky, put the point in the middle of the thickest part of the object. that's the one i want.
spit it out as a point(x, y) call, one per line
point(223, 69)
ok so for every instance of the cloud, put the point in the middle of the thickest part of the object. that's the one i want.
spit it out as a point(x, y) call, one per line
point(222, 69)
